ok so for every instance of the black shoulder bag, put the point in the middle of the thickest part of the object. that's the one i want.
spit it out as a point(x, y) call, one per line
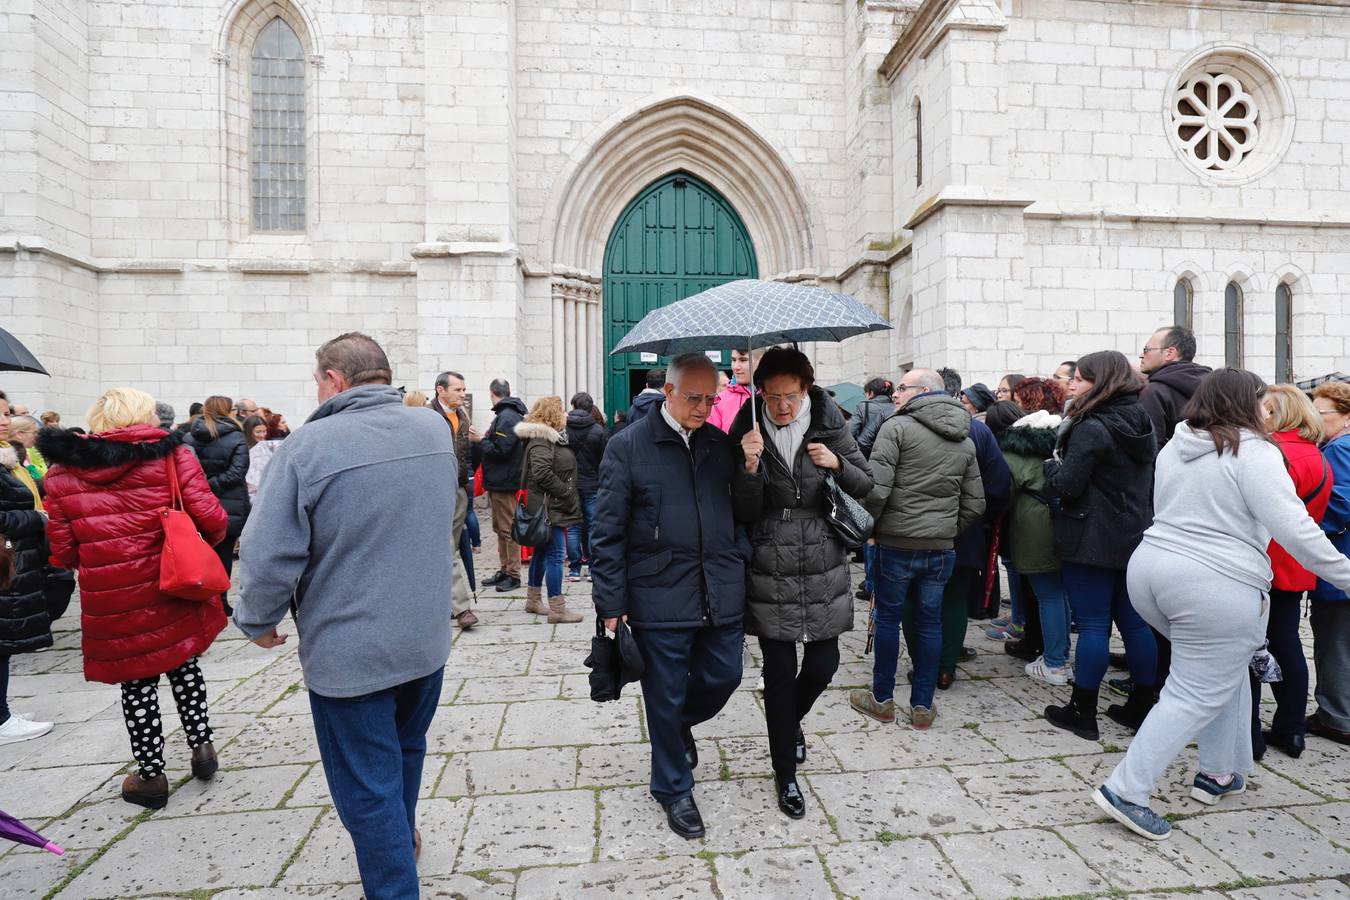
point(530, 529)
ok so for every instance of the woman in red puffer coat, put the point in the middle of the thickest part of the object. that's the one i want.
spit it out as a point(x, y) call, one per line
point(1296, 427)
point(104, 494)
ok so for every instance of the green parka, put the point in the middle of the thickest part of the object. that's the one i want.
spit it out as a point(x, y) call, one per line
point(1028, 534)
point(550, 472)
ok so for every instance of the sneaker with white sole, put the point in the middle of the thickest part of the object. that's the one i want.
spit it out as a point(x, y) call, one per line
point(1209, 792)
point(1142, 820)
point(17, 728)
point(1009, 632)
point(1056, 675)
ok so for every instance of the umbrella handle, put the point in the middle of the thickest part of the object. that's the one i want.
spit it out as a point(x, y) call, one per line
point(52, 847)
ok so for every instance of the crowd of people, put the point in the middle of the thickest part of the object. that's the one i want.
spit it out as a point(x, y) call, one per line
point(1190, 510)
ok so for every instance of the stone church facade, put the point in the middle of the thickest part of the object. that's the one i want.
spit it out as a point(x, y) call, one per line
point(196, 193)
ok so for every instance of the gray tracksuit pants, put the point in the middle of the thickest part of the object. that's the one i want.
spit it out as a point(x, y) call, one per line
point(1215, 624)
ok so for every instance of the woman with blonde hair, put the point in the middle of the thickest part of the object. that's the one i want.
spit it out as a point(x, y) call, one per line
point(218, 440)
point(105, 491)
point(23, 432)
point(415, 398)
point(1296, 428)
point(1330, 605)
point(550, 478)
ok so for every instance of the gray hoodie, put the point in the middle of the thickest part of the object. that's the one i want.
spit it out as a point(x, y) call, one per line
point(1223, 510)
point(353, 522)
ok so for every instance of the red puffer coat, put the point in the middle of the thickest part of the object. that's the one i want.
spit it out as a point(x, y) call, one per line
point(1308, 469)
point(104, 493)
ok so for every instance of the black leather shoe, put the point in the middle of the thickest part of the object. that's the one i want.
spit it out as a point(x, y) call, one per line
point(790, 799)
point(1288, 744)
point(509, 583)
point(967, 654)
point(690, 748)
point(1023, 649)
point(946, 680)
point(494, 580)
point(799, 748)
point(862, 595)
point(683, 818)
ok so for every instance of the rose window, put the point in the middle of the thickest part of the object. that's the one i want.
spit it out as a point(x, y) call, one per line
point(1215, 119)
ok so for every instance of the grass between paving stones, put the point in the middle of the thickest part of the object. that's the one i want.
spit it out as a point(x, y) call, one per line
point(97, 854)
point(599, 809)
point(290, 792)
point(295, 854)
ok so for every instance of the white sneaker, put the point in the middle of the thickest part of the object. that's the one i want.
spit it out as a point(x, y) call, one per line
point(17, 728)
point(1049, 674)
point(759, 685)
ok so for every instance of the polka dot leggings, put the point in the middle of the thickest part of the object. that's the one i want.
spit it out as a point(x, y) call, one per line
point(140, 709)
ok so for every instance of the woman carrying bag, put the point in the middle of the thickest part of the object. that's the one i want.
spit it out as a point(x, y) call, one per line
point(550, 480)
point(106, 495)
point(799, 591)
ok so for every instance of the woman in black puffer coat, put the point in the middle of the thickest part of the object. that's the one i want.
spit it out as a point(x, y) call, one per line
point(799, 591)
point(25, 619)
point(218, 440)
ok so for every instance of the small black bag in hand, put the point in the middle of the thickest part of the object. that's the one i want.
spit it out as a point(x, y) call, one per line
point(613, 662)
point(530, 529)
point(851, 522)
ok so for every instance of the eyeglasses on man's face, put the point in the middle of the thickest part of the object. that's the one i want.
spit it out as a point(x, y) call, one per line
point(697, 399)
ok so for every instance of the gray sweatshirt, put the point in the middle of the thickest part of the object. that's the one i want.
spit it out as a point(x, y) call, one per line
point(353, 521)
point(1223, 510)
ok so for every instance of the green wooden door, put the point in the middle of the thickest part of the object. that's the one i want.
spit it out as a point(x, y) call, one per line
point(677, 237)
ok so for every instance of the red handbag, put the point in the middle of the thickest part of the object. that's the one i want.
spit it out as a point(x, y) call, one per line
point(188, 567)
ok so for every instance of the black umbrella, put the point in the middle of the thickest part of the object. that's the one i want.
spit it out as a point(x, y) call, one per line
point(15, 357)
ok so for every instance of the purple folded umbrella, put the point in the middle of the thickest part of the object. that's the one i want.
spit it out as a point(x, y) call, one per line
point(14, 830)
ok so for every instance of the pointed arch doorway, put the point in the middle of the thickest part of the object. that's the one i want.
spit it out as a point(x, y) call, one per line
point(677, 237)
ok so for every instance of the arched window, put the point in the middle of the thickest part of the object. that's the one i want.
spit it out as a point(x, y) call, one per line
point(1183, 303)
point(277, 130)
point(1232, 325)
point(1284, 328)
point(918, 143)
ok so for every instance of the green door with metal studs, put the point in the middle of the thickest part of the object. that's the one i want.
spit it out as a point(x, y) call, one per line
point(677, 237)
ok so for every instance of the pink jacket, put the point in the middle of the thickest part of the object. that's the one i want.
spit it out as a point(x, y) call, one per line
point(727, 405)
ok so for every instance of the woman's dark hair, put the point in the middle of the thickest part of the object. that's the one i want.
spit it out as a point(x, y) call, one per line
point(1111, 376)
point(880, 387)
point(598, 416)
point(1226, 403)
point(194, 410)
point(583, 401)
point(782, 361)
point(251, 423)
point(275, 430)
point(1001, 415)
point(1013, 380)
point(1033, 394)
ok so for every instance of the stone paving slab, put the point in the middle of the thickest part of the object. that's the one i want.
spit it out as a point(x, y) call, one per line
point(530, 790)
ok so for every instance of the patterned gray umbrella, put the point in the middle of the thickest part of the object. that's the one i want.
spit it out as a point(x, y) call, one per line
point(750, 313)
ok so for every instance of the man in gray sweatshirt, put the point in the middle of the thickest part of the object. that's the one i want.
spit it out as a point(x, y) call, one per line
point(350, 531)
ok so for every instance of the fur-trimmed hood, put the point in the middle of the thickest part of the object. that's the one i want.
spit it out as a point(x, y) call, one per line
point(1033, 435)
point(529, 431)
point(116, 450)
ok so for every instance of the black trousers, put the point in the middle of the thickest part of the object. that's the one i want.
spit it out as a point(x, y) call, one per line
point(790, 693)
point(1291, 692)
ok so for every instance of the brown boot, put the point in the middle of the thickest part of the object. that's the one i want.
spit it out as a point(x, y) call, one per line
point(204, 762)
point(534, 601)
point(559, 614)
point(152, 793)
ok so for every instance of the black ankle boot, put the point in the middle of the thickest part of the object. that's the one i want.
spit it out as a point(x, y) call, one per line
point(1132, 712)
point(1079, 716)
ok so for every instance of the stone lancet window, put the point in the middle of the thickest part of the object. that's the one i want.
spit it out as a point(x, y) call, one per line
point(277, 130)
point(1284, 340)
point(1183, 303)
point(1232, 325)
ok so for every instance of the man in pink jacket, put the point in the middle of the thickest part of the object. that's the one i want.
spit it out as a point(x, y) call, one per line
point(733, 397)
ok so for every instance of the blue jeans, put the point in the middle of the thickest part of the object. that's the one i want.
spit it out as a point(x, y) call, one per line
point(1049, 589)
point(905, 577)
point(373, 748)
point(1017, 594)
point(689, 675)
point(869, 567)
point(579, 536)
point(1098, 597)
point(546, 565)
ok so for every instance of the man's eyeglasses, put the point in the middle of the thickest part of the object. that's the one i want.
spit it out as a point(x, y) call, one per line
point(1152, 350)
point(697, 399)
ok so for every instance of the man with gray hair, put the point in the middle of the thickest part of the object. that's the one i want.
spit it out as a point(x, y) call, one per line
point(244, 407)
point(164, 412)
point(350, 535)
point(927, 490)
point(670, 561)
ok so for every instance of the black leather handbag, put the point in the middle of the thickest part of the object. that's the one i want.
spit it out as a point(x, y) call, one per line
point(851, 522)
point(530, 529)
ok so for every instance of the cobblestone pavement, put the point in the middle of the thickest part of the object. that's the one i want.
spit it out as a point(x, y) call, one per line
point(531, 790)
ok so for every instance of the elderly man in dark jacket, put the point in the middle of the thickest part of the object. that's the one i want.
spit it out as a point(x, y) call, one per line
point(502, 459)
point(926, 491)
point(670, 559)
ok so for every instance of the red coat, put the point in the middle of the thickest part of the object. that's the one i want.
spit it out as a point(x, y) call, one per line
point(1306, 467)
point(104, 492)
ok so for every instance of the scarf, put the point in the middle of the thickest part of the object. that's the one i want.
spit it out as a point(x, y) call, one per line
point(10, 459)
point(787, 439)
